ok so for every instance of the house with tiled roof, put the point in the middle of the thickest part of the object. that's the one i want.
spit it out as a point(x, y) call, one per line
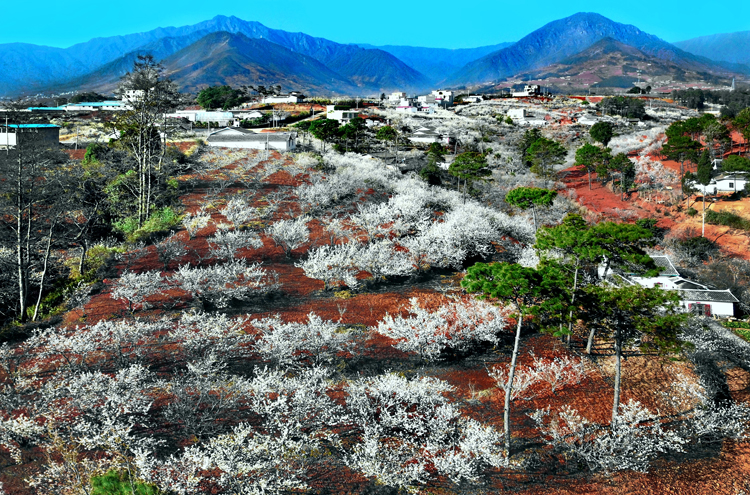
point(694, 297)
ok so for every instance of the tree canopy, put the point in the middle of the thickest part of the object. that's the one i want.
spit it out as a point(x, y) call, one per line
point(224, 97)
point(602, 132)
point(544, 154)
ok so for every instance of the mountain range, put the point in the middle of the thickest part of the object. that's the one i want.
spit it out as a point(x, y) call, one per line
point(229, 50)
point(727, 47)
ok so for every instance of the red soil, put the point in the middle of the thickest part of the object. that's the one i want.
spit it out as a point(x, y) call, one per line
point(76, 154)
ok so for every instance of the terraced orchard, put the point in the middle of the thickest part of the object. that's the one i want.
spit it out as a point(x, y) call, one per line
point(305, 331)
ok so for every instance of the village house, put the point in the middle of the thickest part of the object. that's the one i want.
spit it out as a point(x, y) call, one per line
point(396, 97)
point(694, 297)
point(39, 134)
point(293, 97)
point(342, 116)
point(95, 106)
point(725, 183)
point(528, 90)
point(235, 137)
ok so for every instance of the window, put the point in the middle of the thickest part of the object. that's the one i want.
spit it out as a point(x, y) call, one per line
point(731, 184)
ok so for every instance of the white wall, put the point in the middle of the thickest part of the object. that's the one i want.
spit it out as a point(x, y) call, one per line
point(7, 138)
point(717, 308)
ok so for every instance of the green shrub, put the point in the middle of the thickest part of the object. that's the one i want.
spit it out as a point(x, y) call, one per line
point(160, 220)
point(692, 211)
point(744, 334)
point(118, 483)
point(737, 324)
point(728, 219)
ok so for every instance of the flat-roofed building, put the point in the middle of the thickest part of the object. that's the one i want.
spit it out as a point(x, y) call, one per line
point(14, 134)
point(236, 137)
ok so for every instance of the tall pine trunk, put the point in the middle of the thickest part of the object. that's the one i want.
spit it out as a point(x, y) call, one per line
point(509, 385)
point(44, 271)
point(618, 373)
point(20, 266)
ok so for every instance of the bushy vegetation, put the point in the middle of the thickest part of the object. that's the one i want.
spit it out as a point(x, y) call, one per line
point(727, 218)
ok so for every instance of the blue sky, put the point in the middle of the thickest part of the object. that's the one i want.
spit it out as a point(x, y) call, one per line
point(417, 23)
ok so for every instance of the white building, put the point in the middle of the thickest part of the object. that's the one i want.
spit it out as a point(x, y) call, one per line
point(528, 90)
point(94, 106)
point(724, 183)
point(443, 96)
point(472, 99)
point(342, 116)
point(293, 97)
point(235, 137)
point(518, 114)
point(396, 97)
point(694, 297)
point(222, 118)
point(38, 134)
point(426, 134)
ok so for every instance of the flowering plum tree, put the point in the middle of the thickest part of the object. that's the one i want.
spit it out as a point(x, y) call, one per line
point(293, 344)
point(220, 284)
point(457, 326)
point(289, 234)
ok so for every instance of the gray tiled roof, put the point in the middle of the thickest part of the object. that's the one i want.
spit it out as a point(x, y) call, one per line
point(708, 295)
point(666, 266)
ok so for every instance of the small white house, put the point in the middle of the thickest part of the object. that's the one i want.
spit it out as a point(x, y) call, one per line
point(443, 96)
point(694, 297)
point(342, 116)
point(724, 183)
point(708, 302)
point(395, 97)
point(235, 137)
point(518, 114)
point(472, 99)
point(528, 90)
point(293, 97)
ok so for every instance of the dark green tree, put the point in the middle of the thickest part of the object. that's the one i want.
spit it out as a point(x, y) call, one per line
point(681, 148)
point(530, 197)
point(520, 287)
point(431, 172)
point(390, 135)
point(352, 131)
point(325, 130)
point(544, 154)
point(224, 97)
point(529, 138)
point(742, 123)
point(120, 483)
point(602, 132)
point(648, 318)
point(620, 247)
point(703, 177)
point(593, 158)
point(621, 164)
point(571, 246)
point(469, 166)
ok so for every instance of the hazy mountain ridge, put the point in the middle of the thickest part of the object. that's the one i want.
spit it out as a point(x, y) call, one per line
point(563, 38)
point(372, 70)
point(436, 63)
point(726, 47)
point(610, 63)
point(98, 63)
